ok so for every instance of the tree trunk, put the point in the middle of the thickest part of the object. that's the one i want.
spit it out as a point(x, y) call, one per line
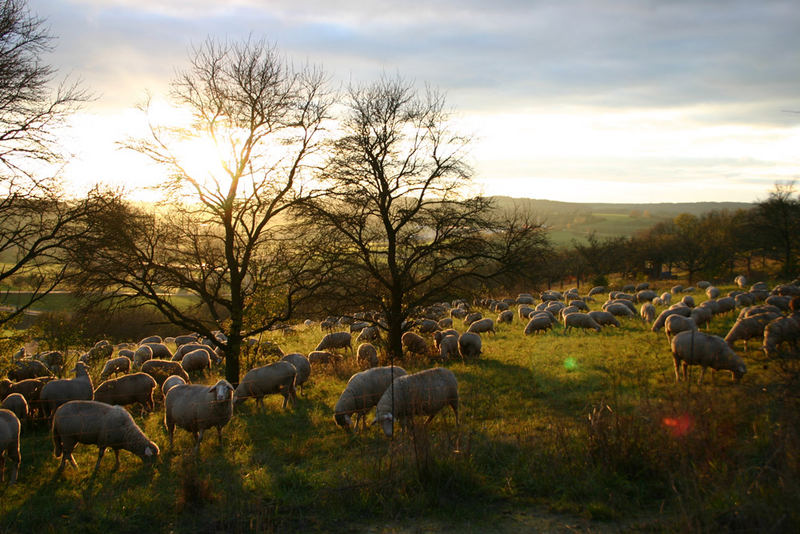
point(232, 352)
point(395, 320)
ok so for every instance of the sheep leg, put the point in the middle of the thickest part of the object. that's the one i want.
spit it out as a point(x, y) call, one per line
point(100, 452)
point(702, 373)
point(198, 437)
point(219, 435)
point(116, 459)
point(677, 368)
point(685, 370)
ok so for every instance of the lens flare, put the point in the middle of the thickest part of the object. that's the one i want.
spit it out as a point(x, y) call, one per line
point(570, 364)
point(680, 425)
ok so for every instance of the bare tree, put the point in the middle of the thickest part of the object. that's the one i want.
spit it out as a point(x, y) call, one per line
point(777, 221)
point(37, 222)
point(226, 237)
point(396, 202)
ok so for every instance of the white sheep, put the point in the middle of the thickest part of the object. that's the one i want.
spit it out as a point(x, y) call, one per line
point(696, 348)
point(161, 369)
point(302, 365)
point(9, 444)
point(141, 355)
point(98, 423)
point(482, 325)
point(16, 403)
point(469, 345)
point(678, 323)
point(171, 382)
point(363, 391)
point(278, 377)
point(422, 393)
point(367, 355)
point(580, 320)
point(648, 312)
point(604, 318)
point(196, 408)
point(121, 364)
point(336, 340)
point(57, 392)
point(539, 322)
point(196, 360)
point(675, 309)
point(414, 343)
point(128, 389)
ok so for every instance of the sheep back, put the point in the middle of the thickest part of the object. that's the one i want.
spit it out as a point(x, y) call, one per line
point(128, 389)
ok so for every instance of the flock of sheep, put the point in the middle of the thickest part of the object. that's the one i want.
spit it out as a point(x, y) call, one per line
point(80, 413)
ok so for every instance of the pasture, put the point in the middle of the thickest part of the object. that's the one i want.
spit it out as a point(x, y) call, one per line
point(582, 431)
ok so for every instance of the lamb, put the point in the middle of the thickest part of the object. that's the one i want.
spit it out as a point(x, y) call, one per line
point(363, 391)
point(414, 344)
point(696, 348)
point(336, 340)
point(171, 382)
point(302, 365)
point(278, 377)
point(196, 360)
point(648, 312)
point(26, 369)
point(161, 369)
point(506, 316)
point(423, 393)
point(678, 323)
point(539, 322)
point(93, 422)
point(604, 318)
point(128, 389)
point(469, 345)
point(483, 325)
point(778, 331)
point(197, 408)
point(57, 392)
point(141, 355)
point(9, 444)
point(116, 365)
point(367, 354)
point(16, 403)
point(674, 310)
point(580, 320)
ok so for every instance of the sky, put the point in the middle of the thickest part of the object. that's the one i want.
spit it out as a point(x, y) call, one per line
point(571, 100)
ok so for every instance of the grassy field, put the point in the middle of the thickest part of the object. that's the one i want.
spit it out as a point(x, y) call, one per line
point(584, 431)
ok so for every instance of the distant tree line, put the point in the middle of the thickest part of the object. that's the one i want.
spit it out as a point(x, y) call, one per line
point(717, 244)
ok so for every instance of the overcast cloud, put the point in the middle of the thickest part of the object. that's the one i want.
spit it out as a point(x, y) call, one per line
point(715, 63)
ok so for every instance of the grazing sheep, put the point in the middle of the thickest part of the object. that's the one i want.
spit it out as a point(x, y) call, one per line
point(524, 312)
point(483, 325)
point(116, 365)
point(787, 290)
point(128, 389)
point(779, 331)
point(676, 289)
point(596, 290)
point(141, 355)
point(447, 322)
point(539, 322)
point(303, 367)
point(336, 340)
point(740, 281)
point(779, 301)
point(747, 328)
point(645, 295)
point(98, 423)
point(196, 408)
point(701, 316)
point(367, 354)
point(186, 348)
point(363, 391)
point(427, 326)
point(696, 348)
point(604, 318)
point(171, 382)
point(57, 392)
point(322, 357)
point(580, 320)
point(666, 298)
point(151, 339)
point(448, 346)
point(185, 338)
point(678, 323)
point(703, 284)
point(370, 333)
point(469, 345)
point(17, 404)
point(712, 292)
point(472, 317)
point(160, 351)
point(161, 369)
point(658, 324)
point(725, 305)
point(414, 344)
point(688, 301)
point(744, 300)
point(648, 312)
point(9, 444)
point(128, 353)
point(566, 311)
point(458, 313)
point(506, 316)
point(26, 369)
point(423, 393)
point(524, 298)
point(196, 360)
point(618, 309)
point(278, 377)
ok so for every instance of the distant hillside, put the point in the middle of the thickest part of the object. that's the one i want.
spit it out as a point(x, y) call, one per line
point(574, 220)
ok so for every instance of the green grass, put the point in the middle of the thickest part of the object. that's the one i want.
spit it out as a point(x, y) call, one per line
point(577, 429)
